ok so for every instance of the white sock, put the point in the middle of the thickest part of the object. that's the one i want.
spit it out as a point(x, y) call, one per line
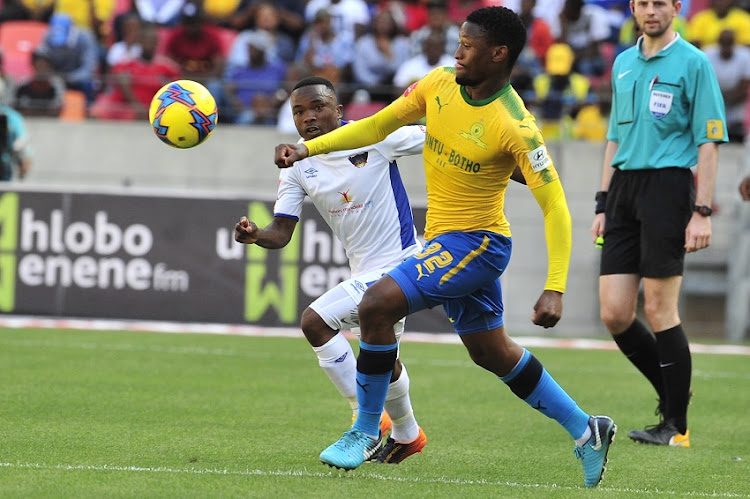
point(337, 359)
point(585, 437)
point(398, 405)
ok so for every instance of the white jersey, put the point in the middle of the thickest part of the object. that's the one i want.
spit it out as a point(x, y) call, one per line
point(359, 193)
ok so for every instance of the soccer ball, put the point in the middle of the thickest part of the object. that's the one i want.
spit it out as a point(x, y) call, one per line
point(183, 113)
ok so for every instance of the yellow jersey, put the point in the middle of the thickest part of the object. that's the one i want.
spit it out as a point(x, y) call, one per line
point(471, 150)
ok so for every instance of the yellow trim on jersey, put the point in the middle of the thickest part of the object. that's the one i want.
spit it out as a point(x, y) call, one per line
point(468, 258)
point(558, 232)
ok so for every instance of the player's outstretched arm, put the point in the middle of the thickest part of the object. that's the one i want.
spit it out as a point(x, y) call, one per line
point(286, 155)
point(356, 134)
point(275, 235)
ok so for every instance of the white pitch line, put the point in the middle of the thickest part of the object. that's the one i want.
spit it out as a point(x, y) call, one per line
point(24, 322)
point(332, 474)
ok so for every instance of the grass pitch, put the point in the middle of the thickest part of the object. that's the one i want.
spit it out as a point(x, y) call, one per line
point(116, 414)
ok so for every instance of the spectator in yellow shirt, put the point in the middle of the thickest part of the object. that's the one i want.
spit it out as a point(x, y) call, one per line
point(705, 26)
point(94, 15)
point(559, 92)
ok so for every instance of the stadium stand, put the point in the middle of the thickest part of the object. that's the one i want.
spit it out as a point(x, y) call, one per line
point(18, 39)
point(226, 35)
point(359, 110)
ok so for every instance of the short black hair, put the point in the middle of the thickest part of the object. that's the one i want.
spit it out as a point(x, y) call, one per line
point(314, 80)
point(501, 26)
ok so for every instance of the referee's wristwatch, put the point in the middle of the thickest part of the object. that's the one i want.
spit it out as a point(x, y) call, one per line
point(703, 210)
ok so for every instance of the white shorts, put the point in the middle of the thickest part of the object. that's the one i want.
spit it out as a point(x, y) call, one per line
point(338, 306)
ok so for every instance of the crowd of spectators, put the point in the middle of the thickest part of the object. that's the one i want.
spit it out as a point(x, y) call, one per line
point(117, 53)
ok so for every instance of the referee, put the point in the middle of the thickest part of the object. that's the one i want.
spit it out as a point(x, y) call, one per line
point(667, 116)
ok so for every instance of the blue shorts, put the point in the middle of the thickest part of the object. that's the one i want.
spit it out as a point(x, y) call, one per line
point(461, 271)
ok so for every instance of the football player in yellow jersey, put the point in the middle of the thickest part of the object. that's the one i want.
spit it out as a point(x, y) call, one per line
point(478, 130)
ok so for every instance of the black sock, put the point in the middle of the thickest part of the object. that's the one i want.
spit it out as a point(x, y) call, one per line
point(676, 368)
point(639, 346)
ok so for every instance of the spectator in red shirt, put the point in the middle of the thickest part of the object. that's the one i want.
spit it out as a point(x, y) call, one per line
point(538, 32)
point(410, 15)
point(196, 47)
point(135, 82)
point(459, 9)
point(532, 57)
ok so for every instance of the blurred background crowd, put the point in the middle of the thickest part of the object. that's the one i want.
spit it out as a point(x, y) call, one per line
point(105, 59)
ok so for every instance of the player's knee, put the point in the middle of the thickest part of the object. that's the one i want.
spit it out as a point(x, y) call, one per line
point(484, 357)
point(616, 319)
point(374, 306)
point(383, 302)
point(314, 328)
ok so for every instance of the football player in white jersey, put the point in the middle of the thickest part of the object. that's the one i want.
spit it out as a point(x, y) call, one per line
point(359, 193)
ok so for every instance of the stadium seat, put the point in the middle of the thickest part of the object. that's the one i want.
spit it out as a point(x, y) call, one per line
point(122, 6)
point(18, 39)
point(74, 106)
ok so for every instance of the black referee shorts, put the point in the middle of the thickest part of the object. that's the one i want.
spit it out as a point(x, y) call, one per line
point(646, 216)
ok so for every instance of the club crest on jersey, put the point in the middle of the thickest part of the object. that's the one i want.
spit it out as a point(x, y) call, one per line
point(411, 87)
point(359, 160)
point(475, 135)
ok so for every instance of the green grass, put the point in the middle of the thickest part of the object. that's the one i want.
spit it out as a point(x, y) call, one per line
point(115, 414)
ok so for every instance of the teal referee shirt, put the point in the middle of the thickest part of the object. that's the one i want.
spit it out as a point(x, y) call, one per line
point(664, 107)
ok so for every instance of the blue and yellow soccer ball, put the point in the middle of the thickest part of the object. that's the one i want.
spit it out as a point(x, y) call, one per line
point(183, 113)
